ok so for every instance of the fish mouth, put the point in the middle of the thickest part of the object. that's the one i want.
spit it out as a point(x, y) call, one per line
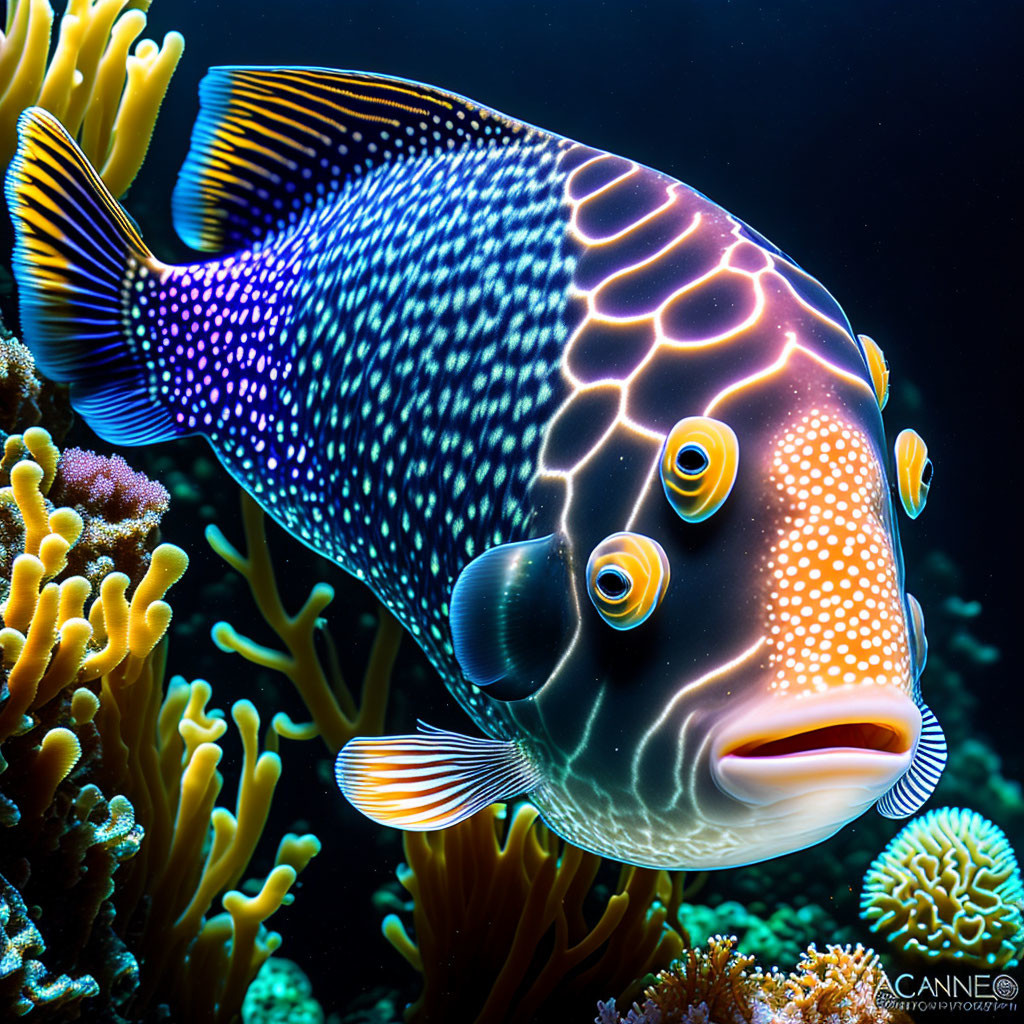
point(842, 741)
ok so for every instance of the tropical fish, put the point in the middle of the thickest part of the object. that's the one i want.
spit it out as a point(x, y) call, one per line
point(615, 461)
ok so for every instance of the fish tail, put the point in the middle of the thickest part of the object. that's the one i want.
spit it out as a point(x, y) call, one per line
point(81, 268)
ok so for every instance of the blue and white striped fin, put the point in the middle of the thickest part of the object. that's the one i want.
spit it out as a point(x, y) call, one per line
point(432, 779)
point(921, 778)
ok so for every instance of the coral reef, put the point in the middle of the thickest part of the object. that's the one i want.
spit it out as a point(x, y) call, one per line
point(775, 937)
point(948, 887)
point(26, 399)
point(837, 985)
point(335, 716)
point(20, 384)
point(196, 852)
point(500, 925)
point(281, 994)
point(720, 985)
point(57, 660)
point(120, 509)
point(106, 97)
point(108, 785)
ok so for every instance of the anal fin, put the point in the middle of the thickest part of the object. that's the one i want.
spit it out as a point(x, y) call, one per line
point(431, 779)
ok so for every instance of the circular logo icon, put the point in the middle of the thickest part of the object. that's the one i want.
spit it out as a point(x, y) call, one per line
point(1005, 987)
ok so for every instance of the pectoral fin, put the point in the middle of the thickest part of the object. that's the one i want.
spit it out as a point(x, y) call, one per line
point(916, 785)
point(511, 616)
point(432, 779)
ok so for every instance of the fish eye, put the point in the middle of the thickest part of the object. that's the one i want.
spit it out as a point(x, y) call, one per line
point(627, 576)
point(878, 368)
point(914, 471)
point(692, 459)
point(613, 584)
point(699, 462)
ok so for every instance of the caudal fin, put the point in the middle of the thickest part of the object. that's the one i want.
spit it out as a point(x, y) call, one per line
point(74, 254)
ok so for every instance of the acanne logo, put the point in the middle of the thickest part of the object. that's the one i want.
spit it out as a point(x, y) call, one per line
point(971, 986)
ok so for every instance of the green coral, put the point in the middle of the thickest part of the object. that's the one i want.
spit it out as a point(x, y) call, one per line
point(281, 994)
point(948, 887)
point(777, 938)
point(25, 983)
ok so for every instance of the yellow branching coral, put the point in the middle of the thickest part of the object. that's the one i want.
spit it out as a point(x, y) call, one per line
point(335, 715)
point(59, 654)
point(83, 714)
point(500, 927)
point(948, 887)
point(105, 95)
point(49, 640)
point(196, 852)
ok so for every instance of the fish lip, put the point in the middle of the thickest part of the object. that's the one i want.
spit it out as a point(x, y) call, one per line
point(796, 746)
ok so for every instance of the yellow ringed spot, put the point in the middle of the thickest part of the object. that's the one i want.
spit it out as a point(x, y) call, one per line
point(627, 576)
point(913, 471)
point(877, 367)
point(699, 462)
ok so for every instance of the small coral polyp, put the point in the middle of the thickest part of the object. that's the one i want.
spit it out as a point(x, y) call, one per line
point(120, 509)
point(948, 888)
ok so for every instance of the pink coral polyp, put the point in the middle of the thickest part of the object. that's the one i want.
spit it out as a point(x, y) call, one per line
point(120, 508)
point(109, 486)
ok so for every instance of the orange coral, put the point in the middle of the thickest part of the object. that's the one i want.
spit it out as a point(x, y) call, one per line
point(715, 977)
point(717, 983)
point(837, 984)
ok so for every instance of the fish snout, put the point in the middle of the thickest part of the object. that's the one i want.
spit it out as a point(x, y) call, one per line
point(846, 748)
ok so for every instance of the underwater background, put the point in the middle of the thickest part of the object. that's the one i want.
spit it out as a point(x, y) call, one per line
point(876, 143)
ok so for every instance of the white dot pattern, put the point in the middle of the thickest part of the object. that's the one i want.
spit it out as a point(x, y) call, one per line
point(379, 375)
point(835, 615)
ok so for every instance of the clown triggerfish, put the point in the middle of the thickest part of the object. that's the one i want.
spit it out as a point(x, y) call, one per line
point(613, 459)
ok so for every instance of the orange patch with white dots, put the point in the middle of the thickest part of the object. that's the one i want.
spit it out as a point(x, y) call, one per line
point(835, 612)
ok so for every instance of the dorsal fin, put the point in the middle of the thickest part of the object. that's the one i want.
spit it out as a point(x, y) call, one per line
point(269, 143)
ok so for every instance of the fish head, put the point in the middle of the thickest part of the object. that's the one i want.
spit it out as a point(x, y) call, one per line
point(829, 722)
point(738, 673)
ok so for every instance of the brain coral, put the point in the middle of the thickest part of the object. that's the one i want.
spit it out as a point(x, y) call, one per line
point(948, 887)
